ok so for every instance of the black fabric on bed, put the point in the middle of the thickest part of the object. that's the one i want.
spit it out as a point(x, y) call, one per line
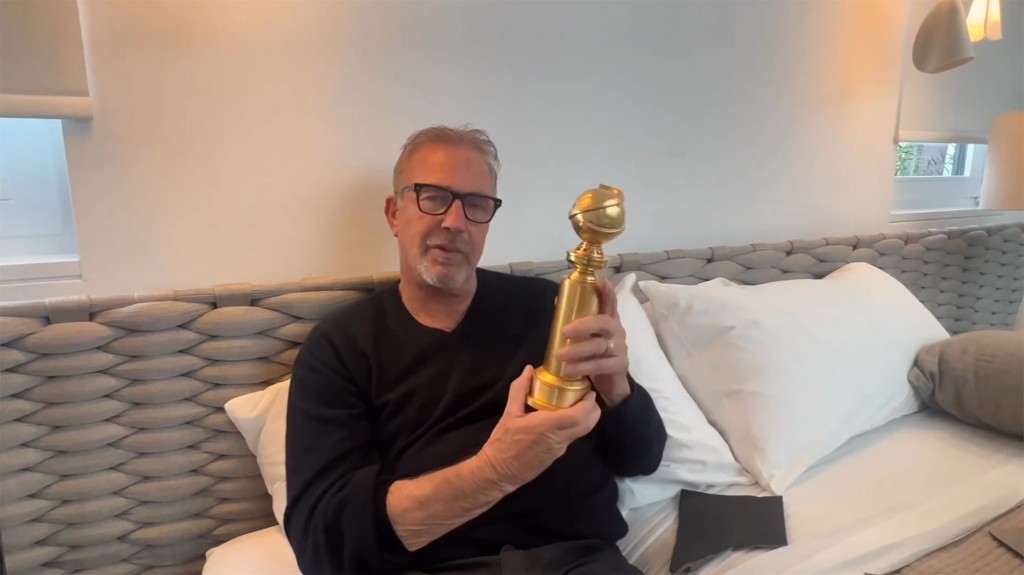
point(711, 524)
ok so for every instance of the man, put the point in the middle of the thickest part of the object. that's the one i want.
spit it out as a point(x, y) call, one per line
point(410, 447)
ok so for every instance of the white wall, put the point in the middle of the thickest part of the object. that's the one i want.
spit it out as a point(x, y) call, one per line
point(253, 141)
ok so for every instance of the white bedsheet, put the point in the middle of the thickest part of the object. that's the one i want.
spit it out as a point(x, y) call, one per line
point(880, 501)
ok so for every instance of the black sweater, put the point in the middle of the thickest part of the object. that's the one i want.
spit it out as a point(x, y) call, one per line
point(376, 396)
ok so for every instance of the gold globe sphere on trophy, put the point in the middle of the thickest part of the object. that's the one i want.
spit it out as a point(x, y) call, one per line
point(598, 216)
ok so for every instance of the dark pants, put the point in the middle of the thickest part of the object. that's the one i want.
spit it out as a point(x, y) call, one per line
point(577, 557)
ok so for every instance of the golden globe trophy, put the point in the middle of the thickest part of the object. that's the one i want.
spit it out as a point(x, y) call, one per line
point(597, 216)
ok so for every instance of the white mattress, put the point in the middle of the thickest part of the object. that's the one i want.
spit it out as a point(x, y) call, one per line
point(880, 501)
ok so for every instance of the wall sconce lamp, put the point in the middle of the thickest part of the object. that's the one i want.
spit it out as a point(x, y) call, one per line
point(943, 42)
point(984, 21)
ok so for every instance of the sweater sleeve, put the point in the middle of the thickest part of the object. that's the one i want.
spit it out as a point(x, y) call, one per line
point(632, 434)
point(336, 518)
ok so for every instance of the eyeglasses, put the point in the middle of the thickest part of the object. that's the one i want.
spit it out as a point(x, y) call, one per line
point(436, 201)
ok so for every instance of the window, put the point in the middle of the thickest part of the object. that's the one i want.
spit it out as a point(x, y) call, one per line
point(938, 176)
point(916, 159)
point(43, 81)
point(37, 230)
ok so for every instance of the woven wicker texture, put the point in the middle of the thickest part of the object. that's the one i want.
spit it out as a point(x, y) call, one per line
point(116, 455)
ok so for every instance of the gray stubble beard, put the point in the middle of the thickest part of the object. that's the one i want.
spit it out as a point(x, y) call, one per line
point(444, 282)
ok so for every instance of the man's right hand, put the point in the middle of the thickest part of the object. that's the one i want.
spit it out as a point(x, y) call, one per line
point(522, 445)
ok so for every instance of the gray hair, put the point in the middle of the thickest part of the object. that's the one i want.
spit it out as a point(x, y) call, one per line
point(464, 136)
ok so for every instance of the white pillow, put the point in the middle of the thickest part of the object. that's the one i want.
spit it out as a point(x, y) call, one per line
point(696, 457)
point(260, 417)
point(263, 552)
point(788, 371)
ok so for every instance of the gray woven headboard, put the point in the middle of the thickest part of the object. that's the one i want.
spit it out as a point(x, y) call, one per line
point(117, 457)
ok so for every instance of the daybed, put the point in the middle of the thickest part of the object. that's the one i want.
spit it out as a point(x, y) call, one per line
point(118, 456)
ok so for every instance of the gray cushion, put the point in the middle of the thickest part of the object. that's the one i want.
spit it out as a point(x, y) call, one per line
point(977, 377)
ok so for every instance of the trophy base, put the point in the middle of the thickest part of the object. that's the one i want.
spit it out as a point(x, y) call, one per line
point(551, 393)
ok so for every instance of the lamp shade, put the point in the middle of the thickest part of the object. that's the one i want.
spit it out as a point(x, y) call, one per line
point(1002, 185)
point(942, 42)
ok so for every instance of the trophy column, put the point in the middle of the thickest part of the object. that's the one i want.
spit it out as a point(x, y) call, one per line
point(597, 216)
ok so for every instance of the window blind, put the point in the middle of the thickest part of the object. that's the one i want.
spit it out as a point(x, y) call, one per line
point(42, 61)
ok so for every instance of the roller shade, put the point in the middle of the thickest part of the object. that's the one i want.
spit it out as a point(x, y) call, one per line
point(42, 63)
point(959, 105)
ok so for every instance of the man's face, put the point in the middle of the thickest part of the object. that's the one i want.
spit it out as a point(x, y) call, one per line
point(442, 250)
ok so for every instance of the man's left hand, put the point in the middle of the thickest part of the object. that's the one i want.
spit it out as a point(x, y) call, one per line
point(598, 349)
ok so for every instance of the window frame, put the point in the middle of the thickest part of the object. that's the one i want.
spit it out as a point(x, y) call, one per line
point(940, 197)
point(56, 264)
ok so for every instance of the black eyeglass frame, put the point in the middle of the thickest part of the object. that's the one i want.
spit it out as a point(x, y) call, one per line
point(417, 188)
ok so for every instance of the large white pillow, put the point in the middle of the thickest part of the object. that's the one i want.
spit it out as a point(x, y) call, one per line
point(260, 417)
point(788, 371)
point(696, 457)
